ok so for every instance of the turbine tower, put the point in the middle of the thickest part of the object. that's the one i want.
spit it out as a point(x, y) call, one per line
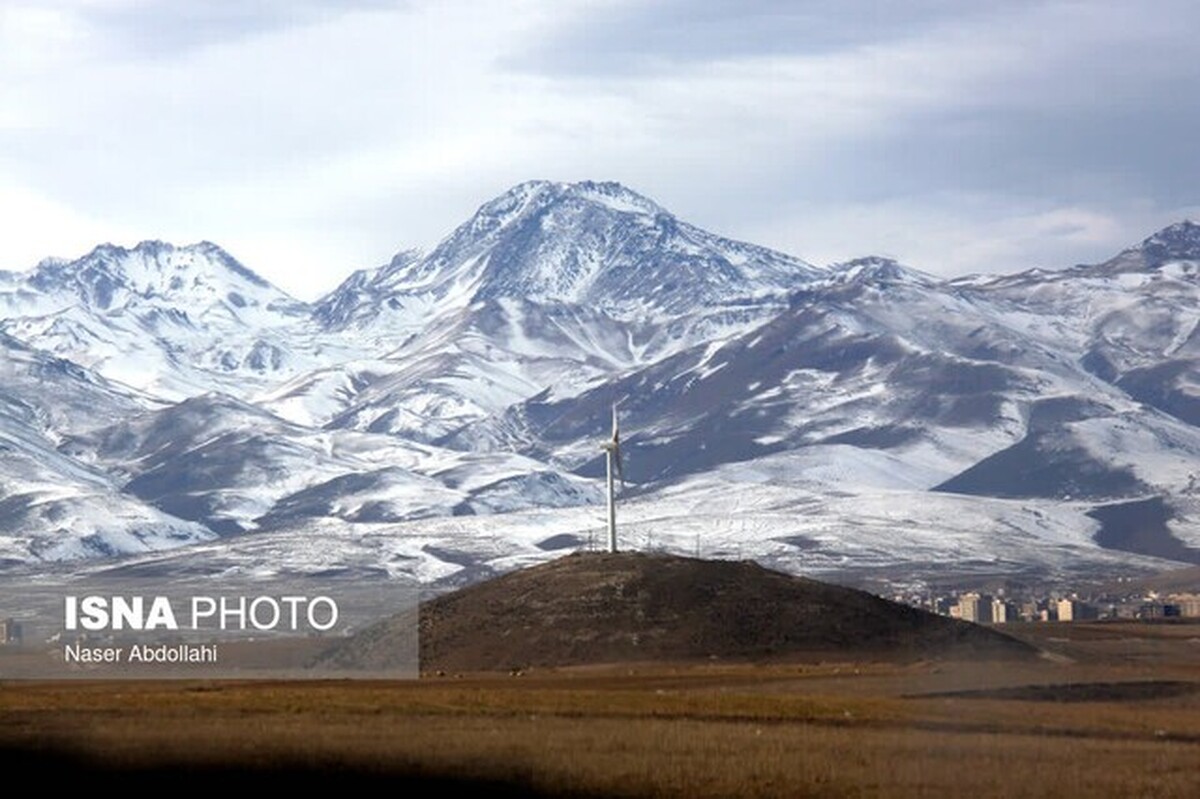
point(612, 449)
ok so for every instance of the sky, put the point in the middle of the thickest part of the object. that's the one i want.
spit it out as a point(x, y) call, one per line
point(311, 138)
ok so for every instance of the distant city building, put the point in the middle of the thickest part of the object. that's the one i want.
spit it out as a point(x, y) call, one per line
point(1066, 609)
point(1006, 607)
point(1004, 612)
point(1188, 604)
point(975, 607)
point(1074, 610)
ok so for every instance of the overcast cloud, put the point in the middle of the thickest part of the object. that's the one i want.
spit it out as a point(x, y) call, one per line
point(313, 138)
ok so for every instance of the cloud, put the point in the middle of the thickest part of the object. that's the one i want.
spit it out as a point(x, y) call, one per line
point(313, 138)
point(163, 28)
point(629, 39)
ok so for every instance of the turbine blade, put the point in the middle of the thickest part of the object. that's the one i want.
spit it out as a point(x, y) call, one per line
point(620, 471)
point(616, 432)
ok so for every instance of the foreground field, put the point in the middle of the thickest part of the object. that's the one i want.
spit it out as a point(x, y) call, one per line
point(1115, 712)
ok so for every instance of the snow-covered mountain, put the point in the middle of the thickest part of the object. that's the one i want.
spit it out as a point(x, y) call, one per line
point(233, 467)
point(53, 504)
point(170, 321)
point(598, 245)
point(939, 377)
point(440, 415)
point(1131, 321)
point(550, 286)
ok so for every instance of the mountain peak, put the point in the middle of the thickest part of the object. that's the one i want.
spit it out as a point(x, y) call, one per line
point(613, 195)
point(1177, 242)
point(149, 248)
point(878, 270)
point(534, 196)
point(111, 276)
point(604, 244)
point(596, 244)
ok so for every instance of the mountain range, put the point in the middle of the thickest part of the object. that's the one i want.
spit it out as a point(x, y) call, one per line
point(440, 416)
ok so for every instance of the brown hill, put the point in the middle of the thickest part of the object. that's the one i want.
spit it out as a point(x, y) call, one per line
point(591, 608)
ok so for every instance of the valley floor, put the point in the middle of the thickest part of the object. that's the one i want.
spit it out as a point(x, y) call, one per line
point(1114, 710)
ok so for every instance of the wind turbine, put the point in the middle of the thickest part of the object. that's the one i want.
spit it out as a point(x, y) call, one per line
point(612, 449)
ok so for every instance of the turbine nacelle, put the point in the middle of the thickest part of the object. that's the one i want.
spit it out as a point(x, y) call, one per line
point(613, 447)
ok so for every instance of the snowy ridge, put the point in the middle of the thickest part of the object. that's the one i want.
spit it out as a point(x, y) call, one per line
point(439, 416)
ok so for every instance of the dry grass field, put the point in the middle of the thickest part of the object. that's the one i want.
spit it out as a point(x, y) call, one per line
point(1114, 712)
